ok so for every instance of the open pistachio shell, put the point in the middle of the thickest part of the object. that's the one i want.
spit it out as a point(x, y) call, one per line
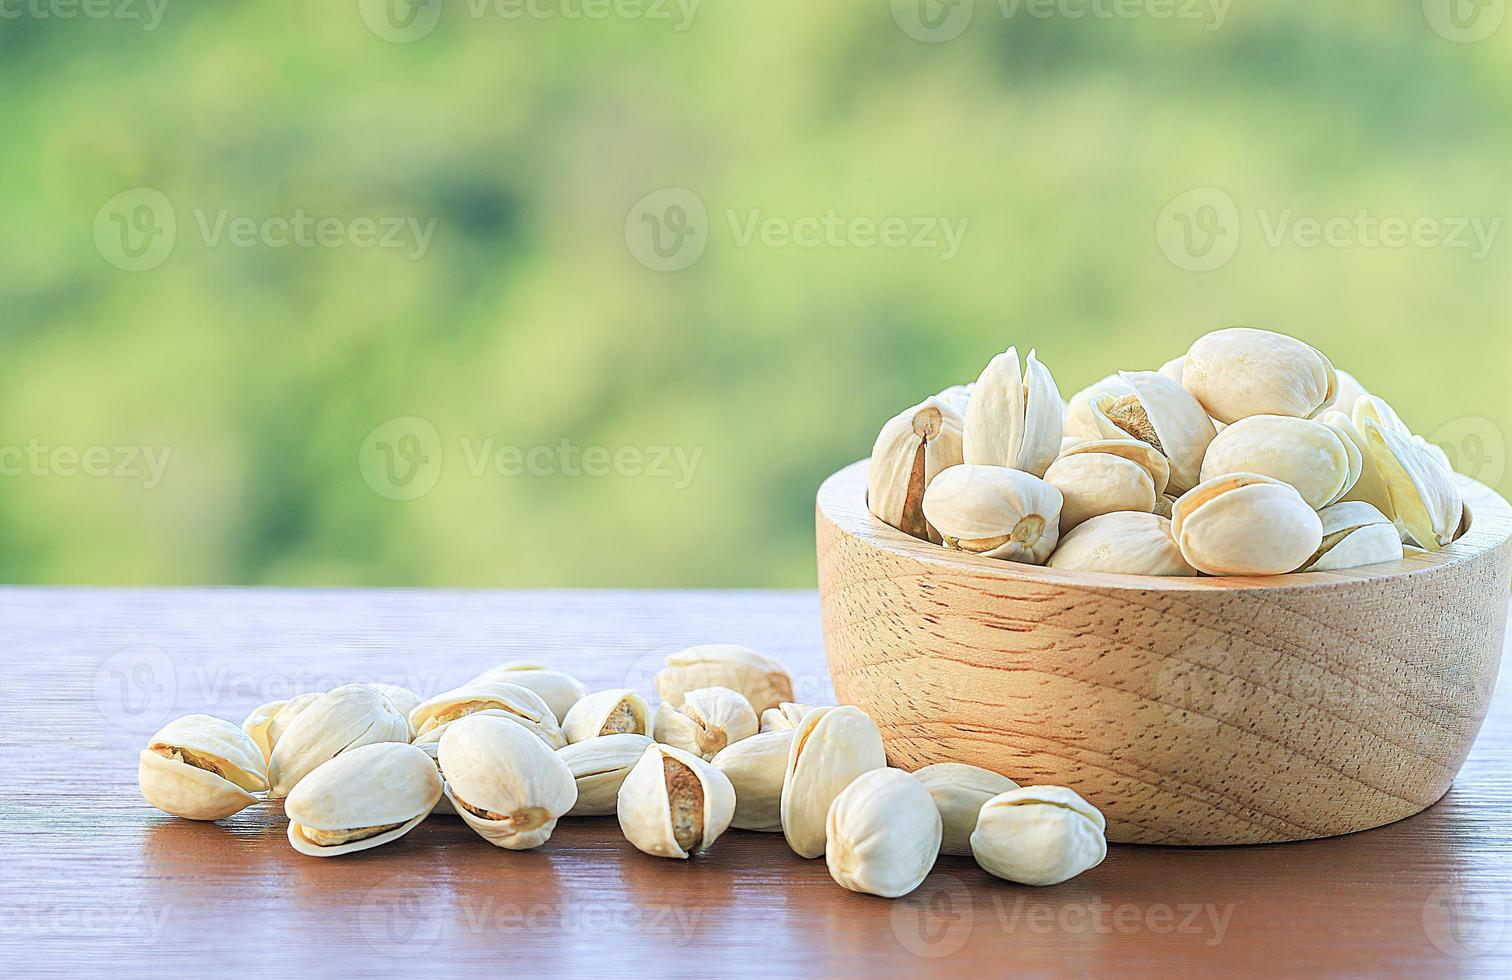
point(1240, 371)
point(550, 735)
point(504, 782)
point(709, 719)
point(1371, 486)
point(673, 803)
point(996, 512)
point(607, 713)
point(912, 448)
point(1039, 835)
point(1354, 534)
point(958, 791)
point(559, 690)
point(1081, 423)
point(339, 720)
point(1161, 413)
point(831, 747)
point(1350, 391)
point(1319, 460)
point(882, 834)
point(600, 765)
point(1122, 543)
point(785, 717)
point(1425, 500)
point(763, 680)
point(484, 695)
point(1015, 417)
point(259, 725)
point(958, 397)
point(362, 799)
point(201, 768)
point(1245, 524)
point(757, 767)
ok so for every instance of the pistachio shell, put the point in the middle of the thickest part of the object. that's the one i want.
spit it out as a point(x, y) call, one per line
point(1150, 459)
point(1165, 505)
point(607, 713)
point(785, 717)
point(1239, 372)
point(1039, 835)
point(362, 799)
point(600, 765)
point(1123, 543)
point(1160, 412)
point(201, 768)
point(285, 715)
point(1355, 534)
point(1081, 422)
point(957, 397)
point(1245, 524)
point(550, 735)
point(763, 680)
point(259, 725)
point(337, 721)
point(560, 691)
point(504, 782)
point(402, 698)
point(958, 791)
point(673, 803)
point(882, 834)
point(831, 747)
point(1092, 484)
point(709, 719)
point(912, 448)
point(1317, 459)
point(1174, 368)
point(482, 695)
point(1425, 500)
point(1371, 486)
point(996, 512)
point(756, 767)
point(1350, 391)
point(443, 807)
point(1015, 418)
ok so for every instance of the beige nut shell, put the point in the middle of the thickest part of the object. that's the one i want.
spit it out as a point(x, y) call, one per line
point(1122, 543)
point(525, 704)
point(995, 512)
point(831, 747)
point(559, 690)
point(882, 834)
point(709, 719)
point(1319, 460)
point(1245, 524)
point(588, 716)
point(599, 766)
point(1039, 835)
point(1015, 417)
point(958, 791)
point(495, 765)
point(756, 767)
point(191, 792)
point(644, 809)
point(339, 720)
point(910, 451)
point(370, 786)
point(1241, 371)
point(763, 680)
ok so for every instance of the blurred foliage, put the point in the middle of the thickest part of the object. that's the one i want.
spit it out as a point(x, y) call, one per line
point(528, 321)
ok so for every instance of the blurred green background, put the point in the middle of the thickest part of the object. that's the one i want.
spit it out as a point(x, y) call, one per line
point(1121, 182)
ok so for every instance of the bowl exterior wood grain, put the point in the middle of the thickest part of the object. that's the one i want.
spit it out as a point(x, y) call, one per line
point(1191, 710)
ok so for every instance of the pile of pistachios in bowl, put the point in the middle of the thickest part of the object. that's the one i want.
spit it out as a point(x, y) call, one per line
point(519, 747)
point(1248, 455)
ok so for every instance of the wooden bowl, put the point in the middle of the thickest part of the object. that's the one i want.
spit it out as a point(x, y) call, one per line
point(1191, 710)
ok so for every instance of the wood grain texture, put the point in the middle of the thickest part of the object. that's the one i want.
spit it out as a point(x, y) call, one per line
point(1191, 710)
point(97, 882)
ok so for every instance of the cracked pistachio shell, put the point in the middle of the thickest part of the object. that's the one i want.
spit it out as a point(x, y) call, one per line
point(1320, 461)
point(337, 721)
point(1080, 420)
point(756, 767)
point(1039, 835)
point(600, 765)
point(607, 713)
point(362, 799)
point(1107, 475)
point(1425, 501)
point(1015, 418)
point(1163, 414)
point(958, 397)
point(1355, 534)
point(785, 717)
point(996, 512)
point(443, 807)
point(673, 803)
point(913, 447)
point(763, 680)
point(958, 791)
point(1371, 486)
point(882, 834)
point(1245, 524)
point(831, 747)
point(523, 703)
point(550, 736)
point(259, 725)
point(1123, 543)
point(503, 782)
point(284, 716)
point(1240, 371)
point(201, 768)
point(709, 719)
point(560, 691)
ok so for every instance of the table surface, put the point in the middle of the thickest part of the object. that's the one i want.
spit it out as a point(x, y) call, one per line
point(95, 880)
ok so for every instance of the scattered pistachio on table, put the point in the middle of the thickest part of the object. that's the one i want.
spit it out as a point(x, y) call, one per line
point(362, 799)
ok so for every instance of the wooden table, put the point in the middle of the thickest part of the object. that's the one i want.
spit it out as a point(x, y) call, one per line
point(96, 881)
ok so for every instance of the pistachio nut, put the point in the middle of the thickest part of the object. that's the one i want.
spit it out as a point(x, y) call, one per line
point(1160, 412)
point(201, 768)
point(831, 747)
point(1101, 476)
point(259, 725)
point(912, 448)
point(362, 799)
point(1123, 543)
point(882, 834)
point(1015, 418)
point(432, 750)
point(1245, 524)
point(1354, 534)
point(958, 397)
point(958, 791)
point(673, 803)
point(527, 707)
point(996, 512)
point(785, 717)
point(504, 782)
point(1174, 368)
point(600, 765)
point(1425, 500)
point(560, 691)
point(1350, 391)
point(763, 680)
point(1039, 835)
point(756, 767)
point(611, 712)
point(338, 721)
point(284, 716)
point(1241, 371)
point(1371, 486)
point(1319, 460)
point(402, 698)
point(709, 719)
point(1080, 420)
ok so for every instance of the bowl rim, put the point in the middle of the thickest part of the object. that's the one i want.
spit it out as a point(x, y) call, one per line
point(841, 502)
